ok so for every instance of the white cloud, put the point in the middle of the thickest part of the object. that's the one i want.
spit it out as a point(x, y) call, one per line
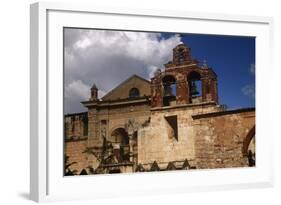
point(83, 43)
point(75, 92)
point(107, 58)
point(77, 88)
point(152, 69)
point(253, 68)
point(249, 90)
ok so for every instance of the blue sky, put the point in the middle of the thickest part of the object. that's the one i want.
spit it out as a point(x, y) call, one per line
point(233, 60)
point(107, 58)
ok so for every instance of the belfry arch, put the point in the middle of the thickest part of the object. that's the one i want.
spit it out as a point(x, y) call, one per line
point(120, 141)
point(169, 90)
point(248, 148)
point(194, 84)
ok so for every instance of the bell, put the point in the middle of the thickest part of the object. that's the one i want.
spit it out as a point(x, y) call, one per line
point(193, 88)
point(168, 91)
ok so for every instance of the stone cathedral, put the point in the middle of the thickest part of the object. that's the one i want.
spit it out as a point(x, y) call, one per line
point(171, 122)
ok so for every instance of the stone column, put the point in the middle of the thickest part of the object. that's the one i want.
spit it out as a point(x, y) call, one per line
point(131, 127)
point(205, 84)
point(156, 92)
point(130, 135)
point(182, 92)
point(214, 89)
point(93, 138)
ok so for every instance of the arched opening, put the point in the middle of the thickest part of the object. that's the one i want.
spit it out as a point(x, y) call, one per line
point(114, 171)
point(83, 172)
point(134, 93)
point(181, 56)
point(120, 142)
point(169, 90)
point(252, 153)
point(120, 136)
point(249, 147)
point(195, 87)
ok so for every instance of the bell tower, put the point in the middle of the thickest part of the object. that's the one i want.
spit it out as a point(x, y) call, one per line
point(184, 81)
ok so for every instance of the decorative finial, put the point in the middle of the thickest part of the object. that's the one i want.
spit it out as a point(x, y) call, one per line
point(94, 92)
point(94, 86)
point(205, 64)
point(157, 72)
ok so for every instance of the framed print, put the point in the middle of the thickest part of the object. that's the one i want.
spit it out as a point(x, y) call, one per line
point(128, 102)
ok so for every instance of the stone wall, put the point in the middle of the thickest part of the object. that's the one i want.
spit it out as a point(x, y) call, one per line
point(207, 136)
point(73, 149)
point(220, 138)
point(154, 143)
point(76, 125)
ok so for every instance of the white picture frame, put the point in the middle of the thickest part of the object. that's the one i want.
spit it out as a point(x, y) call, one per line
point(46, 142)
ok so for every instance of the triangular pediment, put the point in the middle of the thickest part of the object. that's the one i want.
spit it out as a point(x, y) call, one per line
point(122, 91)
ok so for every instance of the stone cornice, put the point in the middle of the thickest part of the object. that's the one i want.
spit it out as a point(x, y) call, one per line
point(119, 102)
point(220, 113)
point(184, 106)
